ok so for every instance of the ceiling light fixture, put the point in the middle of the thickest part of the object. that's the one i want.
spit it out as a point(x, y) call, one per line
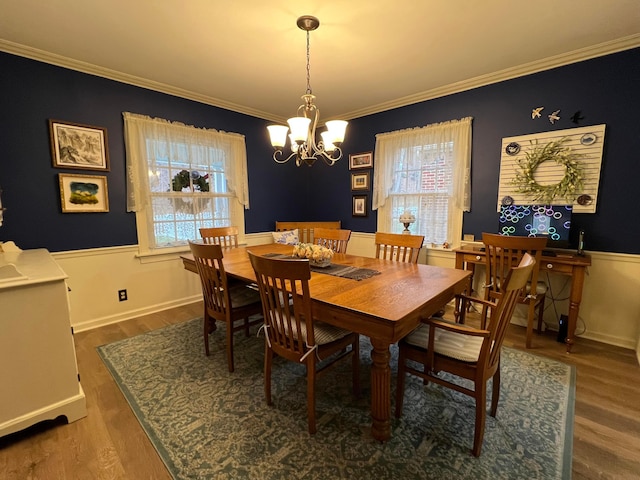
point(303, 127)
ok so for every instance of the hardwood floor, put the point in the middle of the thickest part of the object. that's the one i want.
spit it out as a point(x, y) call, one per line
point(110, 444)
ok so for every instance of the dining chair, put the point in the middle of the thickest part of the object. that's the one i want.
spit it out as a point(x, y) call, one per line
point(503, 252)
point(334, 238)
point(292, 332)
point(398, 246)
point(224, 236)
point(464, 352)
point(224, 302)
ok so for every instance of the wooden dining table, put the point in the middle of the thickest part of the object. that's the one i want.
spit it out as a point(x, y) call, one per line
point(385, 307)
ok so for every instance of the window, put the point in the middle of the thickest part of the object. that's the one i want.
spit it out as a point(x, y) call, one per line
point(182, 178)
point(424, 171)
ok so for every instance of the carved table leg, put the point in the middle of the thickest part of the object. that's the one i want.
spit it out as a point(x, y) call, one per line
point(380, 391)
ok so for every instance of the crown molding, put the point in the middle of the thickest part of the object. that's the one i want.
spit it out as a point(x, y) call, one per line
point(614, 46)
point(607, 48)
point(91, 69)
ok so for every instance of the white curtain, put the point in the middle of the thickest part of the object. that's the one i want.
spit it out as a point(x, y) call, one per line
point(408, 146)
point(142, 133)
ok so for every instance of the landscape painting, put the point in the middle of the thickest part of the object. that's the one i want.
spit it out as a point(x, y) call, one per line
point(83, 193)
point(78, 146)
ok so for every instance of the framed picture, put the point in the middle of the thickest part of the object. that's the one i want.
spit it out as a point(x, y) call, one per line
point(360, 181)
point(359, 205)
point(78, 146)
point(361, 160)
point(83, 193)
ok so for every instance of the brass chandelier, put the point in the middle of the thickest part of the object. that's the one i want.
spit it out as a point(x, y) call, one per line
point(303, 127)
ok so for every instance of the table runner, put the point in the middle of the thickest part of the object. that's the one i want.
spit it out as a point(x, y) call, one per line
point(337, 270)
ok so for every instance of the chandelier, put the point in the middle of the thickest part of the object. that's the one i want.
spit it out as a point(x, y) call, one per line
point(303, 127)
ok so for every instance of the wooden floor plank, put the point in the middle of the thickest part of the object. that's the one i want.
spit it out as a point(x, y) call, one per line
point(110, 444)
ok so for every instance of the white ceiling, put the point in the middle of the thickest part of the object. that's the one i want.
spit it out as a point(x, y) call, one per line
point(367, 56)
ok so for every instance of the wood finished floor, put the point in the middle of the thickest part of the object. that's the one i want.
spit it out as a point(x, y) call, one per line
point(110, 444)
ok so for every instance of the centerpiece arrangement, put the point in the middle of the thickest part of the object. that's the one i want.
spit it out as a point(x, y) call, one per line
point(318, 255)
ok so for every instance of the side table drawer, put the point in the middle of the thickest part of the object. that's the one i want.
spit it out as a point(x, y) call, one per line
point(557, 267)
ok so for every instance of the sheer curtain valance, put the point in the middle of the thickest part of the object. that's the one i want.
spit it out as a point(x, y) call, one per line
point(404, 142)
point(149, 139)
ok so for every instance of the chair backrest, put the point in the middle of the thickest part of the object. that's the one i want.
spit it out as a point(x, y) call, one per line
point(504, 252)
point(512, 287)
point(208, 260)
point(284, 291)
point(398, 246)
point(224, 236)
point(306, 229)
point(334, 238)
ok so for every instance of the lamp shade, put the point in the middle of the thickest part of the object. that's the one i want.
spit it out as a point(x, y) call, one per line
point(326, 140)
point(278, 135)
point(335, 131)
point(407, 217)
point(294, 145)
point(299, 128)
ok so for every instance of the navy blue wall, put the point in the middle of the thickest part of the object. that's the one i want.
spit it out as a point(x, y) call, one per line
point(604, 89)
point(32, 92)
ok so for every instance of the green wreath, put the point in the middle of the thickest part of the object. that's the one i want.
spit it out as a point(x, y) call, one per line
point(185, 179)
point(569, 187)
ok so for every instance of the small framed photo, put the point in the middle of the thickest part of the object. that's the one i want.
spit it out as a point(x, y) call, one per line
point(361, 160)
point(359, 205)
point(83, 193)
point(360, 181)
point(78, 146)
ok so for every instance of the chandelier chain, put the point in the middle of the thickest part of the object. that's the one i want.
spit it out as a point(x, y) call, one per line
point(308, 66)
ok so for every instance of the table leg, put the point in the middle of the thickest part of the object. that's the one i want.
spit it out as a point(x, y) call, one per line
point(380, 391)
point(575, 296)
point(458, 313)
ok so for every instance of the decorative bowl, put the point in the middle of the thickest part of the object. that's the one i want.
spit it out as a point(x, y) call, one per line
point(325, 262)
point(318, 255)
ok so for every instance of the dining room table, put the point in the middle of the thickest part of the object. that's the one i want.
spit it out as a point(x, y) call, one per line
point(382, 299)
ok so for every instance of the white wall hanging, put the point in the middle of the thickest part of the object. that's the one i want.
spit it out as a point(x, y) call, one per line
point(561, 167)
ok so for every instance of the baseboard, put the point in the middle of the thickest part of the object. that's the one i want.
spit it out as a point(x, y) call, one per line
point(608, 339)
point(130, 314)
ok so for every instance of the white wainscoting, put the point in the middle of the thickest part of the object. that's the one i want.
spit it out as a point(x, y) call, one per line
point(609, 312)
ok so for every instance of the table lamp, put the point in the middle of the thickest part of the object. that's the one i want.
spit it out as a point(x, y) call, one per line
point(407, 218)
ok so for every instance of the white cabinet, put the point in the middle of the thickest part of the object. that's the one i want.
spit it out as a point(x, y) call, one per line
point(38, 370)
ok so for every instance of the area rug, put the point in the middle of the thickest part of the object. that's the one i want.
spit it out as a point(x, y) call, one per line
point(207, 423)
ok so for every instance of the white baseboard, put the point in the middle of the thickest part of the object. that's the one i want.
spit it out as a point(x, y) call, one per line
point(130, 314)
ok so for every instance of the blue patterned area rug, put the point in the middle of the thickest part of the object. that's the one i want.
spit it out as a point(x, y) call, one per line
point(209, 424)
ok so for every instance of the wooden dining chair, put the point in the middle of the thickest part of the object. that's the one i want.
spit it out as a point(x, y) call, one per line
point(470, 353)
point(223, 236)
point(504, 252)
point(224, 302)
point(293, 333)
point(334, 238)
point(398, 246)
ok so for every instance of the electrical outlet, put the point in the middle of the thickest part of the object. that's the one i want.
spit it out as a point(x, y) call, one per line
point(122, 295)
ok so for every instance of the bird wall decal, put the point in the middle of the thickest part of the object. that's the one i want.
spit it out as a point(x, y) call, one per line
point(554, 117)
point(577, 117)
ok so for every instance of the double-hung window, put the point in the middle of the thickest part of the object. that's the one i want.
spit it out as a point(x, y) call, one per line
point(424, 171)
point(181, 178)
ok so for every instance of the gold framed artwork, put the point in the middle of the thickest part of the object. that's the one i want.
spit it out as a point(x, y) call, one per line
point(361, 160)
point(360, 181)
point(78, 146)
point(359, 206)
point(83, 193)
